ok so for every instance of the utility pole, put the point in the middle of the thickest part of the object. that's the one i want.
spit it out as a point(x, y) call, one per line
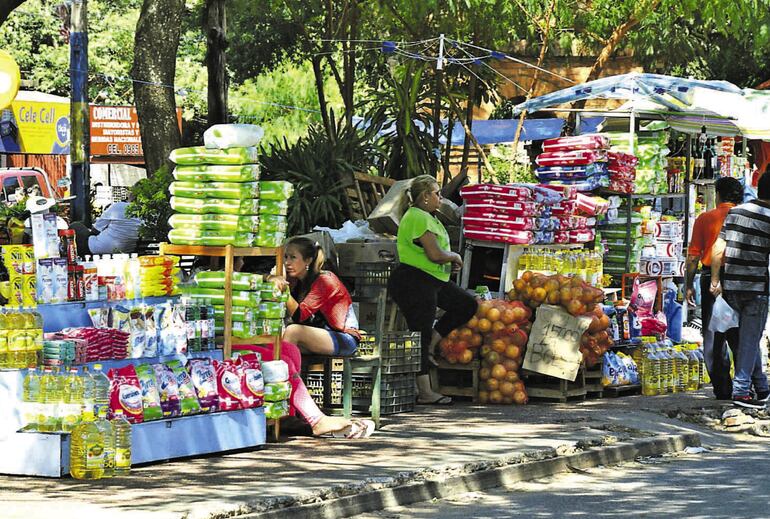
point(437, 107)
point(80, 140)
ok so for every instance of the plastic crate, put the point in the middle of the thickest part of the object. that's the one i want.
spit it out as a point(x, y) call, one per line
point(400, 351)
point(315, 386)
point(398, 393)
point(372, 277)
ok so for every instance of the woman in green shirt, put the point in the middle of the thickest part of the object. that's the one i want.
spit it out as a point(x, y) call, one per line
point(420, 284)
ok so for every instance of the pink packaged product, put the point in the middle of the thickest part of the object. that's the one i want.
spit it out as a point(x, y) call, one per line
point(621, 159)
point(229, 384)
point(590, 205)
point(566, 208)
point(496, 216)
point(623, 176)
point(514, 237)
point(518, 223)
point(253, 385)
point(582, 236)
point(643, 296)
point(621, 186)
point(570, 158)
point(126, 393)
point(559, 192)
point(204, 379)
point(504, 207)
point(561, 237)
point(168, 389)
point(577, 142)
point(493, 191)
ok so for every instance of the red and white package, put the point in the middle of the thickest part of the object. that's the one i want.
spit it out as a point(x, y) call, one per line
point(572, 222)
point(582, 235)
point(504, 207)
point(577, 142)
point(587, 205)
point(571, 158)
point(518, 223)
point(253, 385)
point(561, 236)
point(621, 159)
point(566, 208)
point(126, 393)
point(514, 237)
point(496, 216)
point(493, 191)
point(621, 186)
point(229, 384)
point(623, 176)
point(566, 192)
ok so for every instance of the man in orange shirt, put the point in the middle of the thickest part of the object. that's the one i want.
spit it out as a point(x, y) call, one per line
point(729, 192)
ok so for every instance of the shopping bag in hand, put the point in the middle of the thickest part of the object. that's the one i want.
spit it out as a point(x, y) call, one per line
point(723, 316)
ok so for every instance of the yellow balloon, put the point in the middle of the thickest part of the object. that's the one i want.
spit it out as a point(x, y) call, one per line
point(10, 79)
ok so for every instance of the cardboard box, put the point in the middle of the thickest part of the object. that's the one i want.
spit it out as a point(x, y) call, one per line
point(554, 343)
point(387, 215)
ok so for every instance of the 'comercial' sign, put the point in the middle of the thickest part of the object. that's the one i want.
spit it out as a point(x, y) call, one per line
point(115, 131)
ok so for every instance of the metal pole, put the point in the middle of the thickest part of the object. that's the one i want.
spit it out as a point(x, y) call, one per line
point(80, 148)
point(437, 107)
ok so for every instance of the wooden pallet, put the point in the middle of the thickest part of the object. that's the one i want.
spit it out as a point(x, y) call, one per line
point(456, 379)
point(593, 380)
point(543, 387)
point(617, 391)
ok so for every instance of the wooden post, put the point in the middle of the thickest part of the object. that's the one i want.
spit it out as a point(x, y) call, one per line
point(80, 147)
point(228, 346)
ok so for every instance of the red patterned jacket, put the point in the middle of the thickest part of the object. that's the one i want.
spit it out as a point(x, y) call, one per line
point(329, 298)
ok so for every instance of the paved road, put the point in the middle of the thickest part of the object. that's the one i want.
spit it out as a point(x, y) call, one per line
point(721, 483)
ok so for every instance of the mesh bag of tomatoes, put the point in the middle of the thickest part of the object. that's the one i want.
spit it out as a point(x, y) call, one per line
point(596, 339)
point(461, 345)
point(572, 293)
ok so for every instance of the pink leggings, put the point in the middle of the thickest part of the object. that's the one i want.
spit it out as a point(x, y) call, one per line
point(301, 400)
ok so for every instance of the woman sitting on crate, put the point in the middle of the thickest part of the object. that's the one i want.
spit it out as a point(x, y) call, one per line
point(320, 306)
point(420, 283)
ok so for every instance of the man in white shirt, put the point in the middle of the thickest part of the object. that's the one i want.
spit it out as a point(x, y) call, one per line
point(113, 232)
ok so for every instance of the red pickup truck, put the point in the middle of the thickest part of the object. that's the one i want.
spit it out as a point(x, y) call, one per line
point(31, 179)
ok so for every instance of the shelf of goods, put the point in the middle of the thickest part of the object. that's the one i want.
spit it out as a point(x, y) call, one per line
point(228, 252)
point(75, 314)
point(47, 454)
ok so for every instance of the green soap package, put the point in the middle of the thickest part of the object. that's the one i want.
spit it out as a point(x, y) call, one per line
point(277, 391)
point(275, 207)
point(229, 190)
point(217, 296)
point(275, 190)
point(240, 280)
point(270, 239)
point(215, 222)
point(271, 310)
point(240, 313)
point(211, 238)
point(272, 223)
point(214, 173)
point(248, 206)
point(197, 155)
point(276, 410)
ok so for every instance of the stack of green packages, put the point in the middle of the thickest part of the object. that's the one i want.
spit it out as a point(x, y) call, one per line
point(258, 308)
point(614, 235)
point(652, 151)
point(219, 199)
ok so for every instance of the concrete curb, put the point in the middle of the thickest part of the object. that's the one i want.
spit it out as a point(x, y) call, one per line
point(425, 490)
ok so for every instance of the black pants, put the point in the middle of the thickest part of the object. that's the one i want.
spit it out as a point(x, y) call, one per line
point(720, 362)
point(419, 295)
point(82, 233)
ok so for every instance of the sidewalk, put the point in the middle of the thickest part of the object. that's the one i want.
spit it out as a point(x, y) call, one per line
point(431, 440)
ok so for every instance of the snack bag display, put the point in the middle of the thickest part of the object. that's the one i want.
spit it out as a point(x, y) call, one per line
point(229, 384)
point(204, 380)
point(169, 390)
point(126, 393)
point(275, 391)
point(150, 394)
point(187, 396)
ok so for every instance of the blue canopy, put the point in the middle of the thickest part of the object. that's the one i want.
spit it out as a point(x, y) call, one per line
point(671, 92)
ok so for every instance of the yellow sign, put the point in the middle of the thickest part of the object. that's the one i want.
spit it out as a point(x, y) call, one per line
point(43, 127)
point(10, 79)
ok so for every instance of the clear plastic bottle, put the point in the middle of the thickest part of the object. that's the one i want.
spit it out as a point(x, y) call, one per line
point(694, 364)
point(88, 392)
point(108, 439)
point(5, 361)
point(122, 431)
point(31, 398)
point(50, 397)
point(72, 401)
point(702, 372)
point(101, 389)
point(87, 450)
point(650, 373)
point(682, 369)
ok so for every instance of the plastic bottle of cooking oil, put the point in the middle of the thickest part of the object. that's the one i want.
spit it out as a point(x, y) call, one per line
point(694, 364)
point(122, 431)
point(108, 440)
point(87, 450)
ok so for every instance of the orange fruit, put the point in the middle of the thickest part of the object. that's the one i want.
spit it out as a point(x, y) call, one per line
point(476, 340)
point(510, 365)
point(507, 389)
point(498, 345)
point(493, 314)
point(520, 337)
point(513, 352)
point(495, 397)
point(493, 357)
point(526, 276)
point(473, 323)
point(484, 325)
point(485, 350)
point(492, 384)
point(539, 294)
point(498, 371)
point(465, 357)
point(483, 308)
point(466, 333)
point(498, 326)
point(507, 316)
point(512, 376)
point(484, 373)
point(453, 335)
point(520, 397)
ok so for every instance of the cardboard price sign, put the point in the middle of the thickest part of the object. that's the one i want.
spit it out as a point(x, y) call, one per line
point(554, 343)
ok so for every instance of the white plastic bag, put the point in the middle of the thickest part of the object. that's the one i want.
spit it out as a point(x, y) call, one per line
point(233, 135)
point(723, 316)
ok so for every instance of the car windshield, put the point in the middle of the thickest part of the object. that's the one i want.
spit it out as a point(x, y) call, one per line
point(10, 184)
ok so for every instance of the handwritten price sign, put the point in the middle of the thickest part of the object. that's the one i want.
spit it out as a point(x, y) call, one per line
point(554, 344)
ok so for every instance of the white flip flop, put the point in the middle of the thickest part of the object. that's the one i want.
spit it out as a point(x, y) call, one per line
point(358, 429)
